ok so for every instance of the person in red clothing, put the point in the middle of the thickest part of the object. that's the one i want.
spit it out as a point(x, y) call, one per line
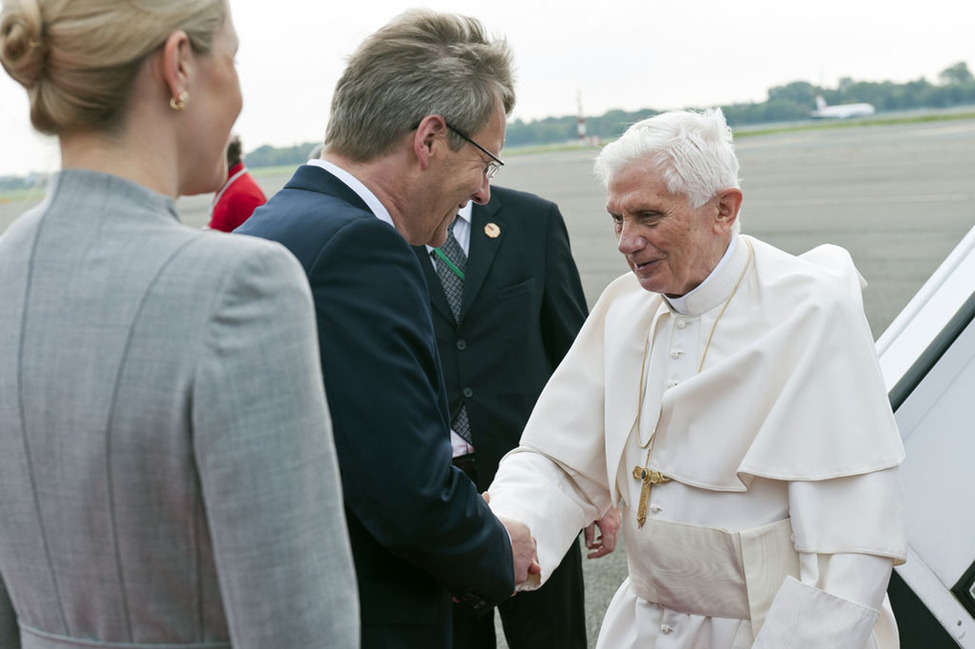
point(239, 196)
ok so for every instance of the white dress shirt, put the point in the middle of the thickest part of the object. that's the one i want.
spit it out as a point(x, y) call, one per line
point(353, 183)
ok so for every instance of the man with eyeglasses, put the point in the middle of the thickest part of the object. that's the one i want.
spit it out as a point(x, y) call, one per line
point(416, 127)
point(493, 166)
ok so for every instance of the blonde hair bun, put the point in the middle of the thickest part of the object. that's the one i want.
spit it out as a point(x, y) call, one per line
point(78, 58)
point(22, 50)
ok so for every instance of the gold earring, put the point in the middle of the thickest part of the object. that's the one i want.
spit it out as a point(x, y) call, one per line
point(179, 103)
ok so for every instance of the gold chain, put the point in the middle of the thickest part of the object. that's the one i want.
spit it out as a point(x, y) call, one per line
point(646, 347)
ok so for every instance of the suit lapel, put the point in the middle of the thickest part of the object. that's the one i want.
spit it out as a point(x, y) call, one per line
point(482, 249)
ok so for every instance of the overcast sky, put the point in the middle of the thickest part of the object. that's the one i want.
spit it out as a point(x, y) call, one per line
point(627, 54)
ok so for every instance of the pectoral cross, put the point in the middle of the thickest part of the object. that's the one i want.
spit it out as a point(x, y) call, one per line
point(649, 479)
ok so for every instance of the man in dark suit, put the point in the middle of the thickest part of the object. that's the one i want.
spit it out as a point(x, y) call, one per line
point(501, 331)
point(417, 124)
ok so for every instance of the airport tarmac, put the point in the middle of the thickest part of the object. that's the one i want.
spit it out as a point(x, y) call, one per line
point(899, 198)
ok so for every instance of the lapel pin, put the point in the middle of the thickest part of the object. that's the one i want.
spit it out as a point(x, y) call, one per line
point(492, 230)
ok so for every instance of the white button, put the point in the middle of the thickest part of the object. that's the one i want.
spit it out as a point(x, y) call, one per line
point(675, 354)
point(656, 509)
point(681, 324)
point(672, 384)
point(666, 628)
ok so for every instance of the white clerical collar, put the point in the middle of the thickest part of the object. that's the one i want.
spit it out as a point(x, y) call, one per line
point(716, 287)
point(356, 185)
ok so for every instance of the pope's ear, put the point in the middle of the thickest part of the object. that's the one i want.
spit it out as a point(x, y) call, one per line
point(428, 137)
point(728, 202)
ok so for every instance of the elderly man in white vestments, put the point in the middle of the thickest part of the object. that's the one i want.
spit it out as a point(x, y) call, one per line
point(727, 396)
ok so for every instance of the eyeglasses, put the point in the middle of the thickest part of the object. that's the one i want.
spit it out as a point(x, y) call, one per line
point(496, 163)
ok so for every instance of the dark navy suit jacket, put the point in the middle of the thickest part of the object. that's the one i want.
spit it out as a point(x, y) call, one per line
point(419, 529)
point(523, 305)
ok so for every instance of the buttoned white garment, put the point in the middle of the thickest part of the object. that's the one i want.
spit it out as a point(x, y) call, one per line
point(795, 325)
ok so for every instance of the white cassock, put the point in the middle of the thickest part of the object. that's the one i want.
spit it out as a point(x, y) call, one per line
point(784, 515)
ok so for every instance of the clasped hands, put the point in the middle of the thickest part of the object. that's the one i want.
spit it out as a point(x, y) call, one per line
point(609, 530)
point(524, 552)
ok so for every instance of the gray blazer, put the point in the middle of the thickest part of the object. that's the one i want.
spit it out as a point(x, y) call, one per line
point(167, 472)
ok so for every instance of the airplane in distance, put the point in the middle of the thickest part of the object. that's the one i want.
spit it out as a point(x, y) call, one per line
point(840, 111)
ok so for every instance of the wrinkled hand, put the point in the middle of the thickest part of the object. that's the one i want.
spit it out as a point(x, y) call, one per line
point(523, 548)
point(609, 529)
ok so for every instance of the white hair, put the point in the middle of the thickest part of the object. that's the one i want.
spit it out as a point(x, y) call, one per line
point(695, 152)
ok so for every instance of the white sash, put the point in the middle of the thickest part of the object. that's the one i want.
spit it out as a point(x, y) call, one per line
point(709, 571)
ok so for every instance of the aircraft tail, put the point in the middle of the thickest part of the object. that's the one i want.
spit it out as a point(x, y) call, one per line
point(820, 102)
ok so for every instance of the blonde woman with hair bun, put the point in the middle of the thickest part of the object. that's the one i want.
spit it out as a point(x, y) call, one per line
point(167, 470)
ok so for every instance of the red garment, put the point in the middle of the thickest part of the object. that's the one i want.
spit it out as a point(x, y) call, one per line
point(236, 200)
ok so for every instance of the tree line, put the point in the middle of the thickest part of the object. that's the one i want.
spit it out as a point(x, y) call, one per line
point(22, 183)
point(789, 102)
point(786, 103)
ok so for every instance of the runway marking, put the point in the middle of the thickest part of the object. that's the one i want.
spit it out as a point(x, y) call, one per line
point(944, 130)
point(755, 144)
point(865, 200)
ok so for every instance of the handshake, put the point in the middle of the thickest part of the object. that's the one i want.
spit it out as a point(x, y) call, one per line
point(524, 549)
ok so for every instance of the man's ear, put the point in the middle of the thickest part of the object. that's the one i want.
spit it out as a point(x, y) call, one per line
point(428, 139)
point(177, 64)
point(728, 202)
